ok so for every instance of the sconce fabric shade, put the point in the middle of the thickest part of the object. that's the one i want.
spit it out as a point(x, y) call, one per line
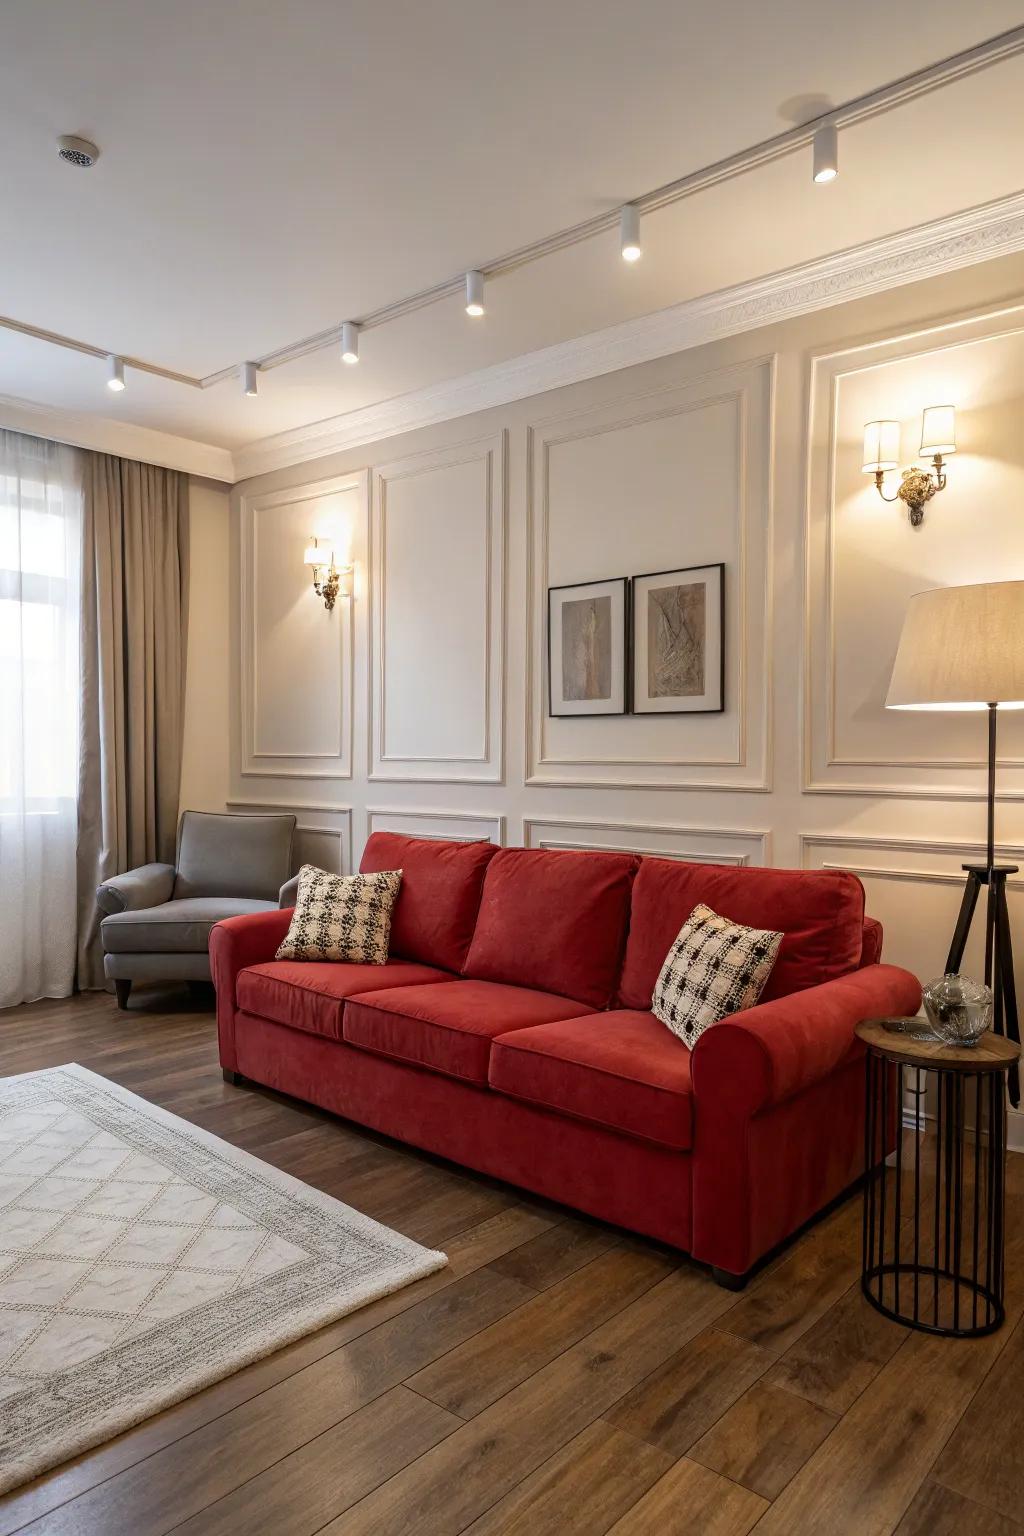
point(317, 555)
point(938, 431)
point(881, 446)
point(961, 648)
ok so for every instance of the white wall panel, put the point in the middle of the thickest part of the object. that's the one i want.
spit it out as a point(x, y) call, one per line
point(696, 845)
point(459, 825)
point(437, 591)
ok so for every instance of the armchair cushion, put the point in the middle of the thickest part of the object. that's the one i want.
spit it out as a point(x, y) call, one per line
point(229, 855)
point(147, 886)
point(173, 927)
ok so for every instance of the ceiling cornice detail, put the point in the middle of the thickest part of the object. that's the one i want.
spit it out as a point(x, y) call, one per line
point(125, 438)
point(959, 240)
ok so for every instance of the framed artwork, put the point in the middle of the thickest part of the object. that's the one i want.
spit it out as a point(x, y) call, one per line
point(587, 634)
point(678, 628)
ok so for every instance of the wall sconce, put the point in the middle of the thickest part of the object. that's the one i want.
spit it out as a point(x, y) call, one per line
point(917, 486)
point(329, 580)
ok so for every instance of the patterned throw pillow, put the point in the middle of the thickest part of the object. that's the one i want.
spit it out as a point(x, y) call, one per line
point(714, 968)
point(341, 917)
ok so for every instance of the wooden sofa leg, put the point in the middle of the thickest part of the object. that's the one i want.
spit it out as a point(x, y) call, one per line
point(728, 1281)
point(122, 988)
point(234, 1078)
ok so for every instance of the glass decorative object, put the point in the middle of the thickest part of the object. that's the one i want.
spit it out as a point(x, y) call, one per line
point(959, 1009)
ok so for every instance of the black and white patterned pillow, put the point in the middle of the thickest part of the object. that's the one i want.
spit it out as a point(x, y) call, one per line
point(341, 917)
point(714, 968)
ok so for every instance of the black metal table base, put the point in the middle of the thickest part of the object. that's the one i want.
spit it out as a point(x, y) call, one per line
point(934, 1223)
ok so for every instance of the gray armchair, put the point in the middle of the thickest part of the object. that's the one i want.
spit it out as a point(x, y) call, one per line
point(158, 917)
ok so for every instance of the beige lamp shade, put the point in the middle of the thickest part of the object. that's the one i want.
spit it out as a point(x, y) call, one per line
point(881, 446)
point(938, 431)
point(961, 648)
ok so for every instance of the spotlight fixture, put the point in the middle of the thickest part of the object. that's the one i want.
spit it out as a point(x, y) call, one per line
point(78, 152)
point(826, 153)
point(247, 373)
point(629, 227)
point(115, 373)
point(350, 342)
point(474, 294)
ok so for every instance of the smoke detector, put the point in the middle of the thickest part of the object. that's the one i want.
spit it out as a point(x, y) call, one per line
point(77, 151)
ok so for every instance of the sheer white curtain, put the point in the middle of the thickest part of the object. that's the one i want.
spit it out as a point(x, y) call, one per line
point(40, 543)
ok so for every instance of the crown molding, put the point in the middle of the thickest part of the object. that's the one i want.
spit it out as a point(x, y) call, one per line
point(124, 438)
point(960, 240)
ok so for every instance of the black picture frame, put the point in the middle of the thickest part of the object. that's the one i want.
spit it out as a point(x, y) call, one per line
point(589, 714)
point(636, 650)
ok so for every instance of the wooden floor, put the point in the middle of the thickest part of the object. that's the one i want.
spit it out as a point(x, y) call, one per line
point(558, 1377)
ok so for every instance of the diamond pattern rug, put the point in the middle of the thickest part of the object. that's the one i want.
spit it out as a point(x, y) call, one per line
point(142, 1258)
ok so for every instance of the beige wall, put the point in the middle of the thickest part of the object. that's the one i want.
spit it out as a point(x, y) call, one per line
point(205, 759)
point(420, 705)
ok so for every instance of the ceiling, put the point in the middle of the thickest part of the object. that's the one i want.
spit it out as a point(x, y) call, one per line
point(269, 170)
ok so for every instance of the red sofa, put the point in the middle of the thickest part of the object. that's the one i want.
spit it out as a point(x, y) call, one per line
point(511, 1032)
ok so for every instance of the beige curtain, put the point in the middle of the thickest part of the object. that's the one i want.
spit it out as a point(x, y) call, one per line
point(134, 640)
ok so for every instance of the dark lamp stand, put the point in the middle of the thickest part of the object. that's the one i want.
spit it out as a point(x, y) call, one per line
point(998, 948)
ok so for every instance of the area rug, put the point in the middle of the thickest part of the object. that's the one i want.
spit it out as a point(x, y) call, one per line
point(142, 1258)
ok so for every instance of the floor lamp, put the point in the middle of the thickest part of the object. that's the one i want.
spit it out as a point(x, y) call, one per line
point(962, 648)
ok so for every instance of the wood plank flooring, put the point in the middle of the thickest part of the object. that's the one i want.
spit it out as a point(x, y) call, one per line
point(557, 1377)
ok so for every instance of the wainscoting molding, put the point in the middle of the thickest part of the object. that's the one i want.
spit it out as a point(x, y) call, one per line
point(694, 845)
point(459, 767)
point(743, 762)
point(323, 833)
point(826, 768)
point(463, 826)
point(258, 762)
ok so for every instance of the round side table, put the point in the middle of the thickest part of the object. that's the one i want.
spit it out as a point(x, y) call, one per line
point(933, 1224)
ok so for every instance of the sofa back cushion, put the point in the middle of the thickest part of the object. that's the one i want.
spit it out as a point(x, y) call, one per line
point(435, 913)
point(555, 921)
point(820, 913)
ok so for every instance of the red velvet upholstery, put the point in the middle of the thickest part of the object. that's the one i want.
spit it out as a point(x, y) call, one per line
point(821, 913)
point(871, 948)
point(617, 1178)
point(311, 994)
point(448, 1028)
point(435, 913)
point(622, 1070)
point(783, 1068)
point(724, 1151)
point(554, 920)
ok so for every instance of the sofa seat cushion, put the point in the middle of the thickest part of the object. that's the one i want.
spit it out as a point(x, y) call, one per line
point(448, 1028)
point(310, 994)
point(435, 913)
point(820, 914)
point(174, 927)
point(554, 919)
point(622, 1070)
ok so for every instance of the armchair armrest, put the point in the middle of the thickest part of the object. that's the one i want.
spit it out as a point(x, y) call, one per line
point(148, 886)
point(234, 944)
point(288, 892)
point(758, 1058)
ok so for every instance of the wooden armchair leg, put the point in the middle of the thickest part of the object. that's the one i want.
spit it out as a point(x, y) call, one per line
point(122, 988)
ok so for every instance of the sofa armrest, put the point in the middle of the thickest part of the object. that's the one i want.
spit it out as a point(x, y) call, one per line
point(148, 886)
point(766, 1054)
point(234, 944)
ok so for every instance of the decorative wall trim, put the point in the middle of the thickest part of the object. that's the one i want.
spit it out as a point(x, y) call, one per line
point(310, 828)
point(945, 245)
point(634, 838)
point(490, 825)
point(260, 764)
point(822, 762)
point(750, 585)
point(489, 765)
point(959, 852)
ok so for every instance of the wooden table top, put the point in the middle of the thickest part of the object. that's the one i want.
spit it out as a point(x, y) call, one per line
point(993, 1053)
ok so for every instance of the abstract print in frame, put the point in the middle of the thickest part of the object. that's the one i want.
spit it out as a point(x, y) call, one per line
point(679, 641)
point(587, 629)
